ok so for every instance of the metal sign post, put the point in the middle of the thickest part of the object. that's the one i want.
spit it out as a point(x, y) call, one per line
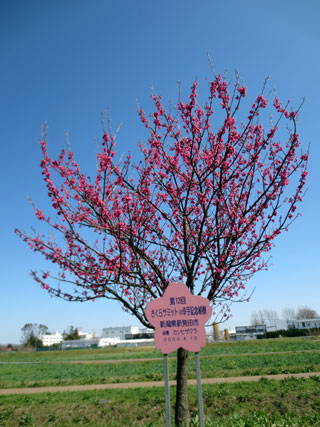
point(200, 402)
point(167, 390)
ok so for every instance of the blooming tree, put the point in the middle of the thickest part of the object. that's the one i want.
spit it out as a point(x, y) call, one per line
point(202, 205)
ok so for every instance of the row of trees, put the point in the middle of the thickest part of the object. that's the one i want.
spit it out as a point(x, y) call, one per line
point(31, 333)
point(262, 317)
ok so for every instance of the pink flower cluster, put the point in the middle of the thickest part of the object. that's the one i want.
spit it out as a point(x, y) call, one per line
point(202, 206)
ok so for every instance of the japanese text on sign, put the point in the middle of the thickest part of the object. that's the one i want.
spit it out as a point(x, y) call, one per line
point(179, 318)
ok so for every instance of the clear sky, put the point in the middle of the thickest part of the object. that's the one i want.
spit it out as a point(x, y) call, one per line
point(65, 62)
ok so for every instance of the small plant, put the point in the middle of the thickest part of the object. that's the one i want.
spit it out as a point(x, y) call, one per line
point(24, 420)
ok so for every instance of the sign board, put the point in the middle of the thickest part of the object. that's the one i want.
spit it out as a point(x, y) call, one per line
point(179, 318)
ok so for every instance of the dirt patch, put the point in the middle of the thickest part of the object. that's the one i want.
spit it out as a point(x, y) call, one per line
point(151, 384)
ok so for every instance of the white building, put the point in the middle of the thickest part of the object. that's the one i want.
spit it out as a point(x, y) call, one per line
point(82, 343)
point(126, 336)
point(136, 342)
point(245, 333)
point(119, 332)
point(51, 339)
point(106, 342)
point(86, 335)
point(252, 332)
point(279, 324)
point(294, 324)
point(306, 324)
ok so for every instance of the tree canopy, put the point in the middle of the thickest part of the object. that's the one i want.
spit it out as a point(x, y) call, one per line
point(203, 204)
point(306, 313)
point(71, 334)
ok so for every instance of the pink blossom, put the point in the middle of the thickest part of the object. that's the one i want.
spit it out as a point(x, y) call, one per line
point(203, 205)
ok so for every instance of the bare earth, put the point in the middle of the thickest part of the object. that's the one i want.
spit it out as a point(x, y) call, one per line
point(151, 384)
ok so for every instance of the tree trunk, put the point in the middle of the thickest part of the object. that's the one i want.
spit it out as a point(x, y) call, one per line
point(182, 408)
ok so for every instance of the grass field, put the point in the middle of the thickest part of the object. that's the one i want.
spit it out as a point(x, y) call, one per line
point(291, 402)
point(45, 374)
point(251, 358)
point(245, 347)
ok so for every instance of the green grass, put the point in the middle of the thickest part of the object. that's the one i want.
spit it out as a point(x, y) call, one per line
point(85, 354)
point(256, 364)
point(291, 402)
point(33, 375)
point(262, 346)
point(217, 360)
point(245, 347)
point(46, 374)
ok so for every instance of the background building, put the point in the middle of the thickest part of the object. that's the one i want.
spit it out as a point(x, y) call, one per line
point(126, 336)
point(86, 335)
point(119, 332)
point(305, 324)
point(51, 339)
point(250, 332)
point(83, 343)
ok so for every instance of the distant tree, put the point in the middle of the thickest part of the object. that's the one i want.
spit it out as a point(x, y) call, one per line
point(71, 334)
point(289, 313)
point(271, 316)
point(42, 329)
point(34, 342)
point(257, 318)
point(30, 334)
point(26, 332)
point(213, 188)
point(264, 317)
point(306, 313)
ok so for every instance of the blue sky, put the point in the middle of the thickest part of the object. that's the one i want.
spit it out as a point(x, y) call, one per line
point(65, 62)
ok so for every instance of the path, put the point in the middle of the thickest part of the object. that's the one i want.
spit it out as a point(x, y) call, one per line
point(55, 389)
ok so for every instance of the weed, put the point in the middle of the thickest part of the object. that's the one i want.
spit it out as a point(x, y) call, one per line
point(24, 420)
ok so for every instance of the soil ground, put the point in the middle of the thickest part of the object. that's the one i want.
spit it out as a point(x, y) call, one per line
point(151, 384)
